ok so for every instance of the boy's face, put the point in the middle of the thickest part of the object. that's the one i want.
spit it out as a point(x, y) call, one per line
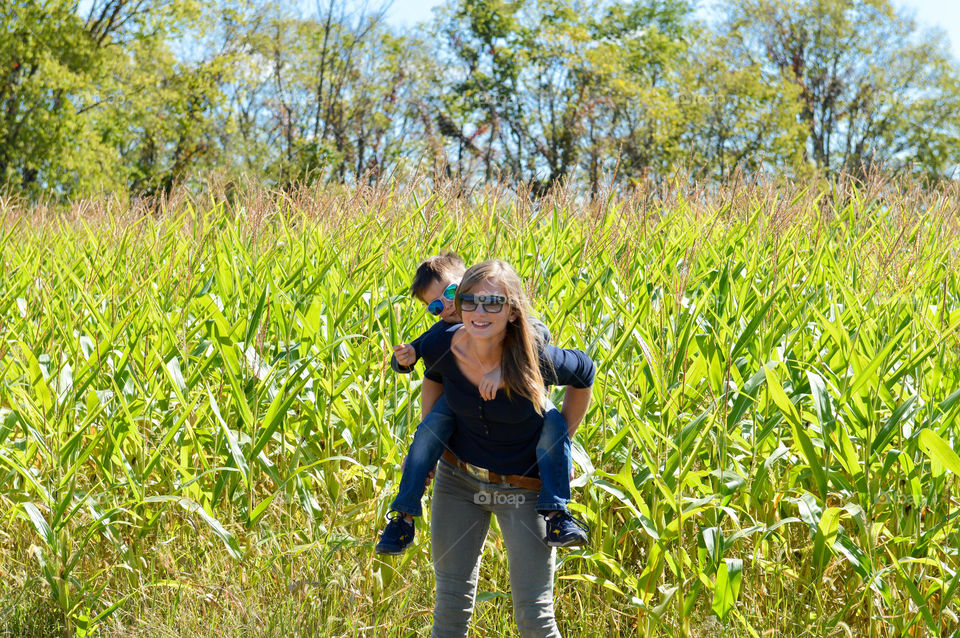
point(435, 291)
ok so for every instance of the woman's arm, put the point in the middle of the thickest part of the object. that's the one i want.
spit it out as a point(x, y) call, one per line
point(575, 370)
point(434, 344)
point(575, 403)
point(566, 366)
point(430, 391)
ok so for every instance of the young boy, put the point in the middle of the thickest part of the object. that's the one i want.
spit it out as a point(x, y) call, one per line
point(435, 284)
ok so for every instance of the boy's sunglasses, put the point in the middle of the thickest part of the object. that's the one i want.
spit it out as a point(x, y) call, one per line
point(491, 303)
point(435, 307)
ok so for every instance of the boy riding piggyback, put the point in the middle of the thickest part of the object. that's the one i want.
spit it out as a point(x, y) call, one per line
point(435, 285)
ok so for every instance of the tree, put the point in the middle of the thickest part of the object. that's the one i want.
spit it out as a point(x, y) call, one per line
point(47, 61)
point(735, 118)
point(641, 52)
point(98, 100)
point(872, 88)
point(544, 90)
point(479, 44)
point(322, 96)
point(161, 116)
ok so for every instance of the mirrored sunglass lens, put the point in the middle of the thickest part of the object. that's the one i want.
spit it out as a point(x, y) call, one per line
point(435, 307)
point(450, 292)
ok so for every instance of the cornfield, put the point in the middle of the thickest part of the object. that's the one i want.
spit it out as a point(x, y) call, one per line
point(200, 431)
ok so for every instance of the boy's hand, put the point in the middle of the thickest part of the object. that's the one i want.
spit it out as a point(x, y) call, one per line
point(405, 354)
point(489, 384)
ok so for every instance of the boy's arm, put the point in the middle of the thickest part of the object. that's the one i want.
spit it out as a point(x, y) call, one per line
point(430, 391)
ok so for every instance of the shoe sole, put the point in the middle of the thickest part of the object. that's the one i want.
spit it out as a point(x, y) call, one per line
point(390, 553)
point(573, 543)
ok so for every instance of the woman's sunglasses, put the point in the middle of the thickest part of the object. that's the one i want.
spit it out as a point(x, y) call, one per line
point(435, 307)
point(491, 303)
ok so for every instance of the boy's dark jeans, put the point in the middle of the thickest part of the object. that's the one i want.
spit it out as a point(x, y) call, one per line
point(554, 461)
point(430, 439)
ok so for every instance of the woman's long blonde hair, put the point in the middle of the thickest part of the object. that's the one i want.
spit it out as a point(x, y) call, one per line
point(520, 364)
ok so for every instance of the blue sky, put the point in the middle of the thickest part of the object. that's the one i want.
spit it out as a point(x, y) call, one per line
point(944, 14)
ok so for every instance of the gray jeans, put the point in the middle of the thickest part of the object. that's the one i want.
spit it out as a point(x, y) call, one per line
point(461, 509)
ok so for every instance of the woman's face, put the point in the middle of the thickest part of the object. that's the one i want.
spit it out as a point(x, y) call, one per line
point(488, 325)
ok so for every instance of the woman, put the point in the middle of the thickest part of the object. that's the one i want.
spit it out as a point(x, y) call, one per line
point(491, 463)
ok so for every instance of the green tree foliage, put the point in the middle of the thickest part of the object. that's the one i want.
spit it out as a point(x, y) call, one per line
point(735, 117)
point(323, 96)
point(641, 55)
point(101, 100)
point(567, 89)
point(161, 117)
point(143, 94)
point(553, 90)
point(48, 60)
point(873, 89)
point(480, 45)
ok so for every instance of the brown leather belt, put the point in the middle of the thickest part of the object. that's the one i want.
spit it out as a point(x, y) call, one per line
point(485, 475)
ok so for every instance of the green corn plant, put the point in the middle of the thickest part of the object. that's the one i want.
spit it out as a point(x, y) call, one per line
point(771, 441)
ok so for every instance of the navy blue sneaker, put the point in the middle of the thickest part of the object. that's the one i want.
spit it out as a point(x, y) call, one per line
point(396, 536)
point(565, 530)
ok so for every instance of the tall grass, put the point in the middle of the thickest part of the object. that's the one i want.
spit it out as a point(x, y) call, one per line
point(199, 430)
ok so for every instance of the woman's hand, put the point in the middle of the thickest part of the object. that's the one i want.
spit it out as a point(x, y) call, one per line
point(489, 384)
point(430, 474)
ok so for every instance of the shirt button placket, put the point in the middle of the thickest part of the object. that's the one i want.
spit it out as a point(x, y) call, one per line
point(486, 426)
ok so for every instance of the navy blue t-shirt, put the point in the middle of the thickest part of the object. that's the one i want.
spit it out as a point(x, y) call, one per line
point(502, 434)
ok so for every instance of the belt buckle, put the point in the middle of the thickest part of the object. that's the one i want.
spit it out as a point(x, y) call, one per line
point(479, 473)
